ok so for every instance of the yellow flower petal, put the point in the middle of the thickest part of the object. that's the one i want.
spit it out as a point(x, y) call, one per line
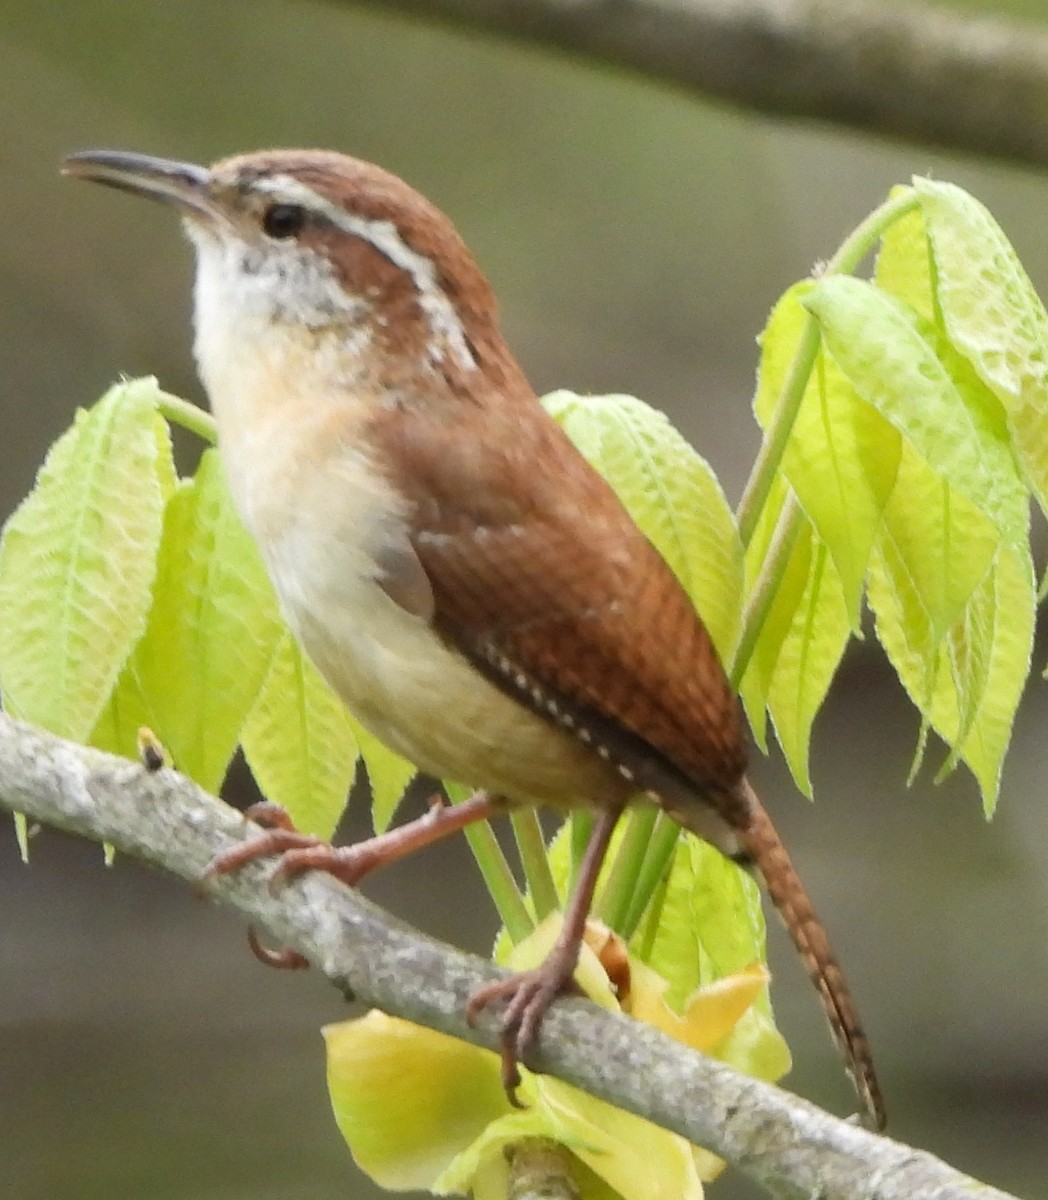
point(422, 1110)
point(407, 1099)
point(710, 1013)
point(619, 1155)
point(756, 1047)
point(637, 1159)
point(589, 974)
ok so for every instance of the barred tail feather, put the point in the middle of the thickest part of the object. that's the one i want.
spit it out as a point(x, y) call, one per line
point(789, 895)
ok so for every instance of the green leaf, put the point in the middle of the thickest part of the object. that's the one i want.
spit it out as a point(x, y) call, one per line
point(993, 315)
point(726, 908)
point(905, 268)
point(965, 673)
point(989, 306)
point(778, 342)
point(388, 775)
point(196, 673)
point(991, 649)
point(712, 923)
point(942, 545)
point(672, 494)
point(881, 346)
point(127, 710)
point(78, 560)
point(298, 741)
point(841, 456)
point(808, 661)
point(938, 546)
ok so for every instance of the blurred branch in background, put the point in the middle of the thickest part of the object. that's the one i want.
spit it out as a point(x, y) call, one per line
point(976, 85)
point(789, 1146)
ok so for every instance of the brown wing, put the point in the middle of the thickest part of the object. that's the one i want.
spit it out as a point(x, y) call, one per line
point(541, 577)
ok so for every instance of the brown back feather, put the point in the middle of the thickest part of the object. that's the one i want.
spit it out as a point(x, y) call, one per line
point(537, 569)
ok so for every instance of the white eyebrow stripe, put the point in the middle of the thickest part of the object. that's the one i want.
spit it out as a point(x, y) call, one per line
point(439, 312)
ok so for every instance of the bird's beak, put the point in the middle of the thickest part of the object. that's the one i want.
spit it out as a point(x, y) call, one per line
point(184, 185)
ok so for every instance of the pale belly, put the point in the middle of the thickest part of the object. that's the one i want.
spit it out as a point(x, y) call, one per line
point(427, 703)
point(398, 678)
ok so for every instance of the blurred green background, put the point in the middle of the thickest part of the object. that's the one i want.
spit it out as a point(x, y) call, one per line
point(637, 238)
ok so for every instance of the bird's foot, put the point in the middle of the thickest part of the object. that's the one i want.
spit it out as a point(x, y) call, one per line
point(297, 852)
point(529, 995)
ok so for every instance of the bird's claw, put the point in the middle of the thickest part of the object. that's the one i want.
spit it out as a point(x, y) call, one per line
point(284, 959)
point(529, 995)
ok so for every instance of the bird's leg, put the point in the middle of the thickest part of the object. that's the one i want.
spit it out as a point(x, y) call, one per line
point(530, 993)
point(304, 852)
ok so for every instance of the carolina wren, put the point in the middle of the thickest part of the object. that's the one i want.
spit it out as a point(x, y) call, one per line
point(464, 580)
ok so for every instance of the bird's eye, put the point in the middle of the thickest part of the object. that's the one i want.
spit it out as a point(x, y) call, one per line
point(283, 220)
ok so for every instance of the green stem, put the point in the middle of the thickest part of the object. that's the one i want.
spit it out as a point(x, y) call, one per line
point(852, 251)
point(533, 857)
point(495, 870)
point(653, 919)
point(661, 846)
point(181, 412)
point(865, 236)
point(773, 447)
point(620, 888)
point(762, 595)
point(581, 828)
point(498, 879)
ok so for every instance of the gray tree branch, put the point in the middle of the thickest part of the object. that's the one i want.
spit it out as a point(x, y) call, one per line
point(794, 1149)
point(917, 72)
